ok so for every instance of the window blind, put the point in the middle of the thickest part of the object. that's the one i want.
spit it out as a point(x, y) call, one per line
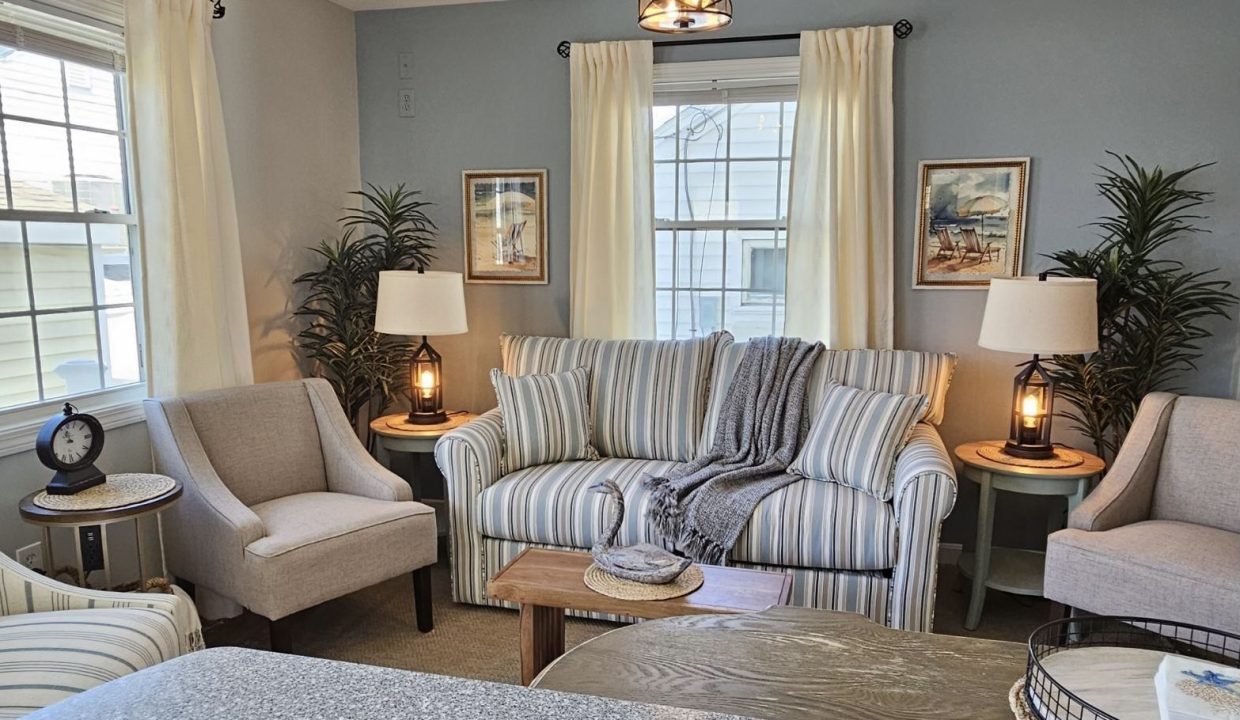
point(90, 32)
point(718, 81)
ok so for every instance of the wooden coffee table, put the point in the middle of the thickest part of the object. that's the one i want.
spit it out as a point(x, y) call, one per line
point(547, 582)
point(789, 662)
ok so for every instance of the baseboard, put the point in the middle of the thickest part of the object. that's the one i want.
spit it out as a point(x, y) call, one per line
point(949, 553)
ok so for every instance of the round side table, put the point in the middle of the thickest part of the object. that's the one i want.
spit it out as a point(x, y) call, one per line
point(394, 433)
point(120, 487)
point(1009, 569)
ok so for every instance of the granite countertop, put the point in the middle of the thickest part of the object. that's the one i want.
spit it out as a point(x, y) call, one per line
point(242, 684)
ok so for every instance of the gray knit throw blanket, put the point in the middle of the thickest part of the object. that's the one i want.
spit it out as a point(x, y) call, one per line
point(702, 507)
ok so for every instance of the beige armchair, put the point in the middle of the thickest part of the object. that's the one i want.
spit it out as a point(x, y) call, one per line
point(1160, 536)
point(283, 508)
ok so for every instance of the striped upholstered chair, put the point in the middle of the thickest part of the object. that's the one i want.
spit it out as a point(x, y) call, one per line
point(57, 640)
point(655, 404)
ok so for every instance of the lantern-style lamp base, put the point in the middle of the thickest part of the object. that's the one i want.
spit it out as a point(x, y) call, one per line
point(426, 386)
point(1029, 452)
point(1033, 399)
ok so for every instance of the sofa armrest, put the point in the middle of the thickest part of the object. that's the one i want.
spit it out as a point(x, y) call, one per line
point(210, 527)
point(40, 593)
point(350, 469)
point(925, 493)
point(471, 459)
point(1123, 497)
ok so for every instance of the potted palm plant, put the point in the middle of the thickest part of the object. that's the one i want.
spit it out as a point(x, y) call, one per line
point(388, 231)
point(1151, 307)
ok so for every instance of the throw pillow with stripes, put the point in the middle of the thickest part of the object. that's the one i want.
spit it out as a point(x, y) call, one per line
point(856, 436)
point(546, 417)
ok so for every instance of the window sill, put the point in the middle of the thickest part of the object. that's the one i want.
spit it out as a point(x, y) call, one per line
point(114, 408)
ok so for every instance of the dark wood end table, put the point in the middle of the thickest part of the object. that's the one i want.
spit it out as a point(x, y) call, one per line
point(547, 582)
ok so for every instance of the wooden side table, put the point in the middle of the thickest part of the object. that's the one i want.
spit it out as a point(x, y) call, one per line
point(1009, 569)
point(545, 583)
point(117, 487)
point(394, 433)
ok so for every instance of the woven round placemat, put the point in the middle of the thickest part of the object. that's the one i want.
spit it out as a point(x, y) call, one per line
point(119, 490)
point(604, 583)
point(1017, 702)
point(1064, 458)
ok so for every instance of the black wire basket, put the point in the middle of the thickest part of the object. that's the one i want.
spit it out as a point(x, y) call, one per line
point(1047, 699)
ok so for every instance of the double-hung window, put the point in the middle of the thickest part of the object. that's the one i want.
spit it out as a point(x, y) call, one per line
point(69, 325)
point(722, 149)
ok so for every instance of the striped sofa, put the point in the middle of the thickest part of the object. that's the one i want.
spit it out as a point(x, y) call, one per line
point(57, 640)
point(655, 404)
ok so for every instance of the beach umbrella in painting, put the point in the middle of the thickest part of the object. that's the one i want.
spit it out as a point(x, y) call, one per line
point(982, 206)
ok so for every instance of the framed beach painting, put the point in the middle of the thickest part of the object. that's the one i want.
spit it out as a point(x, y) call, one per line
point(970, 221)
point(505, 226)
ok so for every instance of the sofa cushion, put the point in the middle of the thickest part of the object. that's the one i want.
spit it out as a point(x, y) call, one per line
point(374, 539)
point(1158, 569)
point(647, 397)
point(46, 657)
point(808, 524)
point(904, 372)
point(816, 524)
point(546, 417)
point(855, 437)
point(553, 504)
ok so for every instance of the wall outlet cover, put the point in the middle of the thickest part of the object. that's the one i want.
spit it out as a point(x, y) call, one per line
point(405, 61)
point(31, 556)
point(404, 103)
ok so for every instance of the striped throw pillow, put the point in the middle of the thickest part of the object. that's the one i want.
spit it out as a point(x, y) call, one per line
point(856, 436)
point(546, 417)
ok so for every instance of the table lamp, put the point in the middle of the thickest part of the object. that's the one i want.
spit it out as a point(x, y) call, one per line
point(422, 303)
point(1038, 316)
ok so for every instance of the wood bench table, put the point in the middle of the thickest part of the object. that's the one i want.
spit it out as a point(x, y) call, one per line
point(790, 662)
point(547, 582)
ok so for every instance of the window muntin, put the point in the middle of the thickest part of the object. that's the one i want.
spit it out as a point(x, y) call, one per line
point(721, 194)
point(68, 318)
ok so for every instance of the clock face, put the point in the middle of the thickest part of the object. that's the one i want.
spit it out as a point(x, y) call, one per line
point(72, 441)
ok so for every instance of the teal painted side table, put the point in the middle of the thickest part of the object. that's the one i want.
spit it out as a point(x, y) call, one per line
point(1009, 569)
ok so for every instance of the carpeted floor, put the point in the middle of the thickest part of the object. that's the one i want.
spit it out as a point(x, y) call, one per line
point(375, 627)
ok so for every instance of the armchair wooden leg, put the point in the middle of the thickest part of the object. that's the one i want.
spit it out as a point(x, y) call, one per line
point(422, 599)
point(281, 632)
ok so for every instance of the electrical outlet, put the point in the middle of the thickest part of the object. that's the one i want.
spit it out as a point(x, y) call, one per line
point(31, 556)
point(405, 61)
point(404, 101)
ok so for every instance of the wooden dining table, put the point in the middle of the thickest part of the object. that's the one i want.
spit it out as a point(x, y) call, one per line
point(788, 662)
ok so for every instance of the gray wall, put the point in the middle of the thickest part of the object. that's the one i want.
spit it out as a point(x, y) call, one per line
point(1059, 80)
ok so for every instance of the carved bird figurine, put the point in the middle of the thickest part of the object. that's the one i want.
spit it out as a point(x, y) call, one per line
point(644, 563)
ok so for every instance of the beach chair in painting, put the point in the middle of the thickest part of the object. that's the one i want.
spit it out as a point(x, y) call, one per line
point(947, 247)
point(973, 247)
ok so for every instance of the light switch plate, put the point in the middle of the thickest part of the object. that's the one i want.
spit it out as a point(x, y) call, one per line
point(404, 102)
point(406, 65)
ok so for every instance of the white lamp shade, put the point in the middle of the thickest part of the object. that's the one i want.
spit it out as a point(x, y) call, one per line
point(413, 303)
point(1056, 316)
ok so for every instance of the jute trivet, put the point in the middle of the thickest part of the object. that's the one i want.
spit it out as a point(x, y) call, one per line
point(605, 584)
point(119, 490)
point(1064, 458)
point(1016, 701)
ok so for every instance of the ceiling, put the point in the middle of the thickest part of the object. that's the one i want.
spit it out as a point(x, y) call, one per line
point(396, 4)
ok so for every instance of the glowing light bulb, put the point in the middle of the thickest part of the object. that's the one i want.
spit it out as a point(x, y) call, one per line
point(1029, 409)
point(426, 382)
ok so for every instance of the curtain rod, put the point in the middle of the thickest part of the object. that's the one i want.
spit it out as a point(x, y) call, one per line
point(902, 28)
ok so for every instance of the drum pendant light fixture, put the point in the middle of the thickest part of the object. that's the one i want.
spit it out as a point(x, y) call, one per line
point(684, 16)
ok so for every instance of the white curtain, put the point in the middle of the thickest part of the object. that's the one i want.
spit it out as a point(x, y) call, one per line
point(197, 331)
point(612, 215)
point(840, 242)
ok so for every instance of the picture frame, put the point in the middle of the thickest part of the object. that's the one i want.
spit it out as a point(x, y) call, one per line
point(505, 226)
point(970, 222)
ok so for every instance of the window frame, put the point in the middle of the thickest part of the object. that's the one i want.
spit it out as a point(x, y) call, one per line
point(118, 405)
point(730, 83)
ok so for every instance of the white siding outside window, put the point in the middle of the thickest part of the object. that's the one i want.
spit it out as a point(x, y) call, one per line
point(68, 318)
point(722, 146)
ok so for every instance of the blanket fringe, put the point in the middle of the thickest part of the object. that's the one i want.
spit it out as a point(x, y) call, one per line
point(664, 511)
